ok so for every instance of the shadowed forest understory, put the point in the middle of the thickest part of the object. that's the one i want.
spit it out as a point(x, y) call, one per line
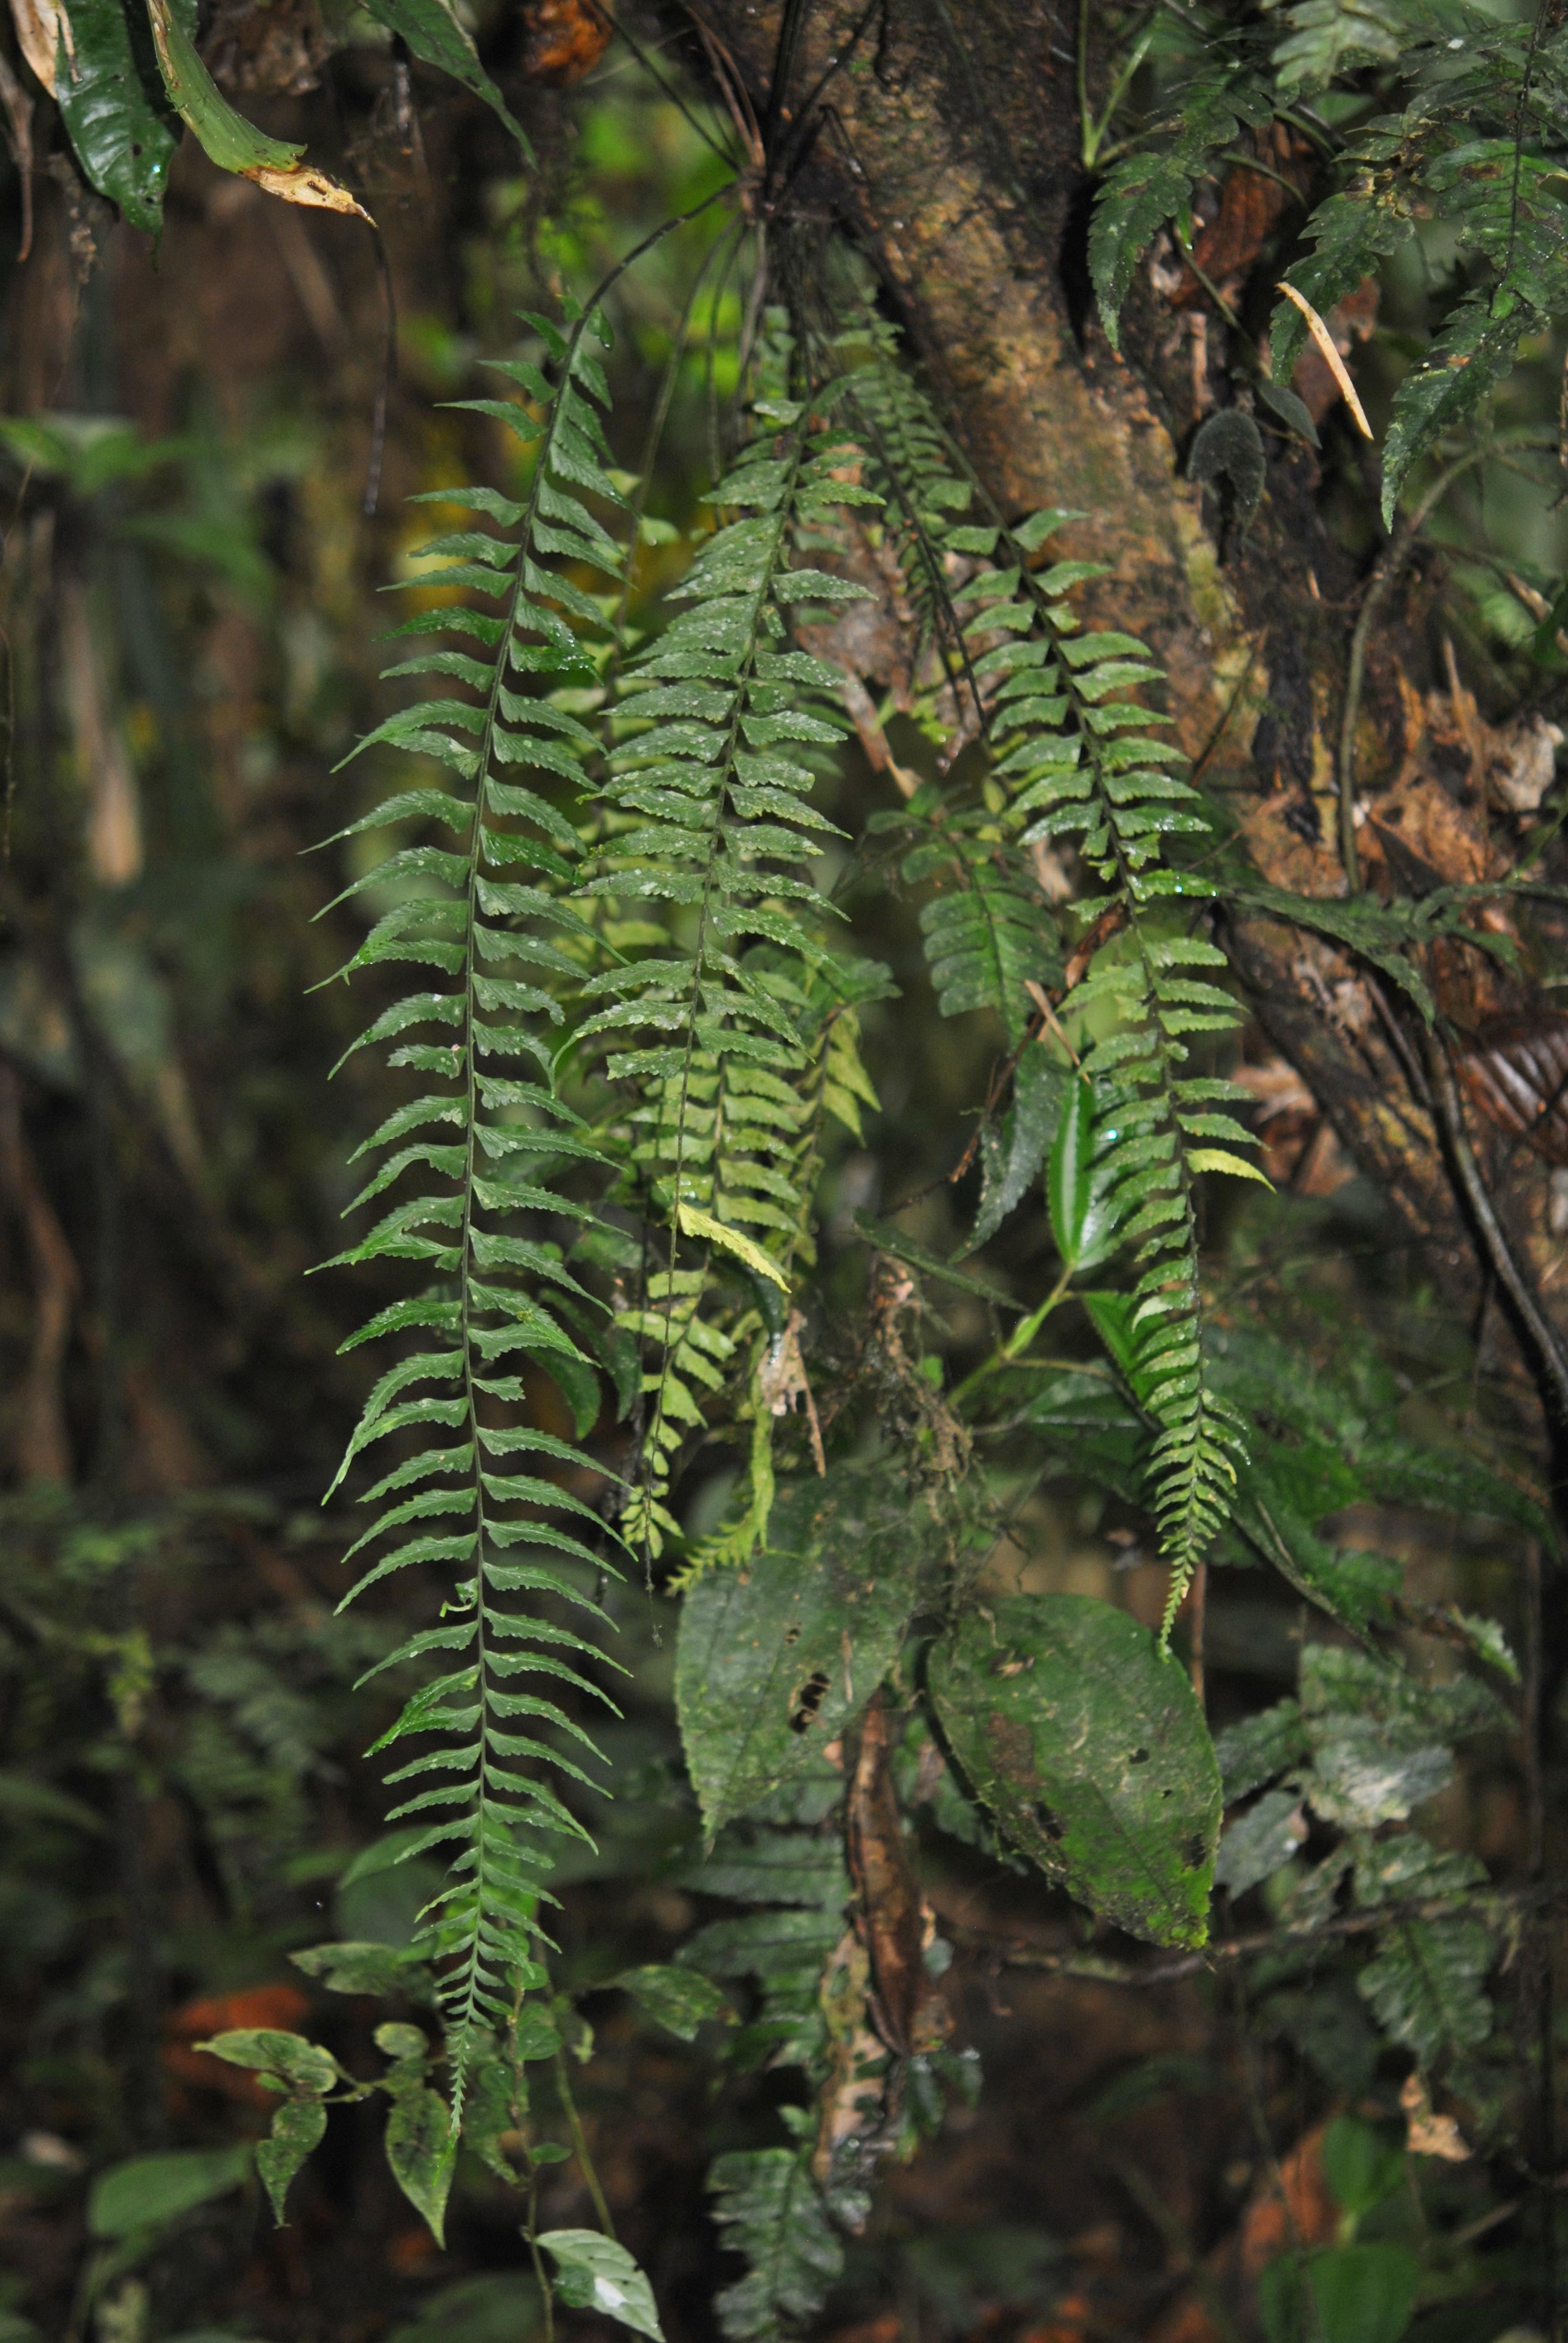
point(783, 1171)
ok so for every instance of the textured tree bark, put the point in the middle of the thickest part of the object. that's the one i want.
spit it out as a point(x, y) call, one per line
point(950, 149)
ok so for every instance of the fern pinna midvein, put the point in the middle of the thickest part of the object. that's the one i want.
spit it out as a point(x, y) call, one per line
point(704, 811)
point(504, 943)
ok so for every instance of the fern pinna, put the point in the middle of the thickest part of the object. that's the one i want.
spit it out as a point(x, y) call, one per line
point(485, 1152)
point(732, 1025)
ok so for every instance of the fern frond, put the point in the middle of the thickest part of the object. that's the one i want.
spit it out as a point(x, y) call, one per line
point(711, 1025)
point(1156, 184)
point(475, 1160)
point(1073, 758)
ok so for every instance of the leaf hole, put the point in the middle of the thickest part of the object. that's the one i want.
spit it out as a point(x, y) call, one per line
point(1052, 1825)
point(792, 1635)
point(807, 1702)
point(1194, 1853)
point(1139, 1757)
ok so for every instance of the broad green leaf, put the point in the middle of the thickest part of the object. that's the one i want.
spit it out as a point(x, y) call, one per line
point(1081, 1220)
point(436, 38)
point(422, 2150)
point(150, 2191)
point(775, 1658)
point(1252, 1752)
point(115, 109)
point(1260, 1842)
point(369, 1968)
point(679, 1999)
point(593, 2273)
point(1038, 1088)
point(298, 2125)
point(1340, 2294)
point(268, 2050)
point(1092, 1751)
point(1427, 1985)
point(227, 137)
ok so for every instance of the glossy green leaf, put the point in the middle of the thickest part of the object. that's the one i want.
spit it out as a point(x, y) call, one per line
point(774, 1658)
point(1092, 1754)
point(1011, 1163)
point(593, 2273)
point(227, 137)
point(436, 38)
point(116, 109)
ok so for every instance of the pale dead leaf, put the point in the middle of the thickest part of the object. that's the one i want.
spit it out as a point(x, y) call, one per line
point(1332, 358)
point(302, 183)
point(1427, 2134)
point(41, 27)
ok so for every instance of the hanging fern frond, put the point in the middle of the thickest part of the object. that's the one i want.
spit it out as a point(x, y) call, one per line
point(1075, 759)
point(708, 809)
point(1156, 184)
point(487, 1149)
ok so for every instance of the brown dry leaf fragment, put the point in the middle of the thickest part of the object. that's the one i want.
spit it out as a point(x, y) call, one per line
point(1278, 1089)
point(562, 40)
point(853, 2099)
point(41, 27)
point(1427, 2134)
point(1515, 1068)
point(1328, 346)
point(781, 1379)
point(302, 183)
point(892, 1920)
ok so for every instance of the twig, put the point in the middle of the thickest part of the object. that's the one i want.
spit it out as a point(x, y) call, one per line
point(1494, 1236)
point(1012, 1953)
point(386, 374)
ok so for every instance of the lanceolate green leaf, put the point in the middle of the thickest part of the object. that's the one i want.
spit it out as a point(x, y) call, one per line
point(775, 1657)
point(115, 107)
point(231, 142)
point(1092, 1751)
point(436, 38)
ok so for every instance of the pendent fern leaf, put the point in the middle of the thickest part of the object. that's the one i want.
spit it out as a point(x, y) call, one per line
point(489, 1151)
point(1077, 761)
point(713, 1031)
point(1071, 757)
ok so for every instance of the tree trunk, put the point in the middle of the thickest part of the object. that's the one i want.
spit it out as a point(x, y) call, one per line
point(951, 148)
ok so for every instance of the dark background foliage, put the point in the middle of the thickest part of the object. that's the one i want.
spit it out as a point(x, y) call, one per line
point(189, 609)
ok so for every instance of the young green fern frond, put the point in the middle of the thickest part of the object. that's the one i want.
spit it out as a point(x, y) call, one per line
point(479, 1155)
point(710, 811)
